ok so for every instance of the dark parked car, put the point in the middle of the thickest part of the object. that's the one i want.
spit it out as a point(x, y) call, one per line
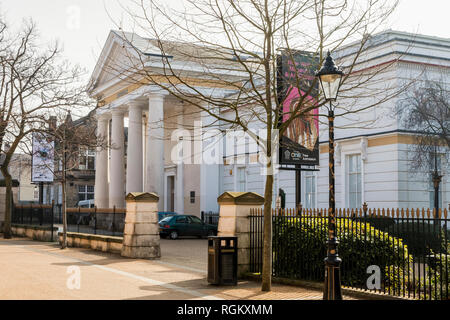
point(185, 225)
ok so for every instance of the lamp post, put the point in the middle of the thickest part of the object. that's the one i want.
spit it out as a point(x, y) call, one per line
point(330, 78)
point(436, 182)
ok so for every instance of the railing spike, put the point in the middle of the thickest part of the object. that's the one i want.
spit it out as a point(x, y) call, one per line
point(383, 213)
point(445, 213)
point(428, 213)
point(439, 213)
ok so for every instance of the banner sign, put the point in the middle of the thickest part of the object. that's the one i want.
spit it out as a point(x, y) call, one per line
point(43, 158)
point(299, 144)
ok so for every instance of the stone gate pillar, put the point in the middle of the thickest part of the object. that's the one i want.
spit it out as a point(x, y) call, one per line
point(234, 221)
point(141, 232)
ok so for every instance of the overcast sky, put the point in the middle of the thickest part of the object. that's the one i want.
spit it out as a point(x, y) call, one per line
point(84, 38)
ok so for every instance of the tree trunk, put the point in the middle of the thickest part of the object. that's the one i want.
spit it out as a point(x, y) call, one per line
point(267, 251)
point(64, 215)
point(7, 234)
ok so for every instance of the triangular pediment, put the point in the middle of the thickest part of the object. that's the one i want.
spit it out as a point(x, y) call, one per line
point(123, 54)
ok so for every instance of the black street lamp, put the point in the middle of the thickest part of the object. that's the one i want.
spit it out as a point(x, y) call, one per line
point(330, 78)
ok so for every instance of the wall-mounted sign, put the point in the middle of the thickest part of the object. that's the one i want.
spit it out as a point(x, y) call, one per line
point(43, 158)
point(299, 145)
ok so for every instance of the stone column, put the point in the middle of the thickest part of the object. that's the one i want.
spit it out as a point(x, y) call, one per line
point(233, 221)
point(101, 162)
point(155, 148)
point(117, 169)
point(135, 175)
point(141, 232)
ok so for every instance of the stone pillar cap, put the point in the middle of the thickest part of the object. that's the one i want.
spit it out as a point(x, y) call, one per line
point(142, 197)
point(245, 198)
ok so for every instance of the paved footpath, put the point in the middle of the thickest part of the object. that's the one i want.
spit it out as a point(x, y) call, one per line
point(36, 270)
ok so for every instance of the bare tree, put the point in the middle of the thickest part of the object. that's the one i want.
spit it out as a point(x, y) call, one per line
point(425, 112)
point(234, 46)
point(33, 80)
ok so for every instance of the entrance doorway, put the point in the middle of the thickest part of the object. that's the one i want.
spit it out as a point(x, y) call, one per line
point(171, 193)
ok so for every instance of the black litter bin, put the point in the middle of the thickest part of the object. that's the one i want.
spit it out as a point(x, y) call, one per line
point(222, 260)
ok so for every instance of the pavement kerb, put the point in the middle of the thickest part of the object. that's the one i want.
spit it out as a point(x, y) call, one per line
point(361, 294)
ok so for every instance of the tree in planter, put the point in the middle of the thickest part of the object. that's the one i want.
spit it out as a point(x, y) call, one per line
point(33, 81)
point(234, 45)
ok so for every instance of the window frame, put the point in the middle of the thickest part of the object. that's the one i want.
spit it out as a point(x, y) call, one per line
point(86, 193)
point(359, 174)
point(89, 155)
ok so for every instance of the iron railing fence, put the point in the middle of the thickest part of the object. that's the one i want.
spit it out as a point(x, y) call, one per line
point(107, 221)
point(101, 221)
point(33, 214)
point(397, 252)
point(58, 213)
point(210, 217)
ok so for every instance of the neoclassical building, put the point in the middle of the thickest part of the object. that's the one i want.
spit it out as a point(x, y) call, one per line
point(371, 156)
point(151, 116)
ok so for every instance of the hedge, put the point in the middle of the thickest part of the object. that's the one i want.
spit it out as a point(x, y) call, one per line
point(300, 248)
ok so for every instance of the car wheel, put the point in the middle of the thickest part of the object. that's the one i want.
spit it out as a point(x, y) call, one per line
point(173, 235)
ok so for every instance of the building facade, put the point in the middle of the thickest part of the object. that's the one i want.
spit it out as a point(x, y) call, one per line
point(372, 147)
point(80, 174)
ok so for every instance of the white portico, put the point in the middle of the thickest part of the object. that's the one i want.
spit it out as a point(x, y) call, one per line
point(137, 166)
point(136, 121)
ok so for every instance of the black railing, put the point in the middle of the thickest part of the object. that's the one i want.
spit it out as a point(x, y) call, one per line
point(58, 214)
point(34, 215)
point(110, 221)
point(210, 217)
point(397, 252)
